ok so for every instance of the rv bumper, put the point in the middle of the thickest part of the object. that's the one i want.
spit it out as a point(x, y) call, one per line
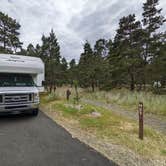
point(21, 108)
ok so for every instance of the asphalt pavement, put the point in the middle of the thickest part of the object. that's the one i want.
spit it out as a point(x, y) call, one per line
point(39, 141)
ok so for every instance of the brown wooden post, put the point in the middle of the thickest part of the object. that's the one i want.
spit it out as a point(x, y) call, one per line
point(141, 120)
point(68, 93)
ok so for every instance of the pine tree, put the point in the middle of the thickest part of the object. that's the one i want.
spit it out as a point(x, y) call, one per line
point(126, 59)
point(31, 51)
point(152, 20)
point(9, 34)
point(50, 54)
point(158, 65)
point(73, 71)
point(86, 67)
point(64, 71)
point(100, 65)
point(72, 64)
point(64, 64)
point(100, 48)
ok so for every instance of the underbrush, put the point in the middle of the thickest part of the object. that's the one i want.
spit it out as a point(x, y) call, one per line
point(155, 104)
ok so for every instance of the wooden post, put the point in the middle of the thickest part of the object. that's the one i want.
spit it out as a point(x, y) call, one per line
point(68, 93)
point(141, 120)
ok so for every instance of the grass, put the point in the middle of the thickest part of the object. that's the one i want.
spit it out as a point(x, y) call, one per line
point(155, 104)
point(111, 127)
point(163, 152)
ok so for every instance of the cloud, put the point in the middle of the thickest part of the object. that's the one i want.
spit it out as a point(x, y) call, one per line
point(73, 21)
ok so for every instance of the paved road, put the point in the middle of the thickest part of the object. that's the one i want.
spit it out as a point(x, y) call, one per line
point(38, 141)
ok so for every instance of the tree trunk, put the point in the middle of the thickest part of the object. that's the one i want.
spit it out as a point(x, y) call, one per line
point(51, 88)
point(144, 83)
point(54, 88)
point(93, 86)
point(77, 97)
point(132, 84)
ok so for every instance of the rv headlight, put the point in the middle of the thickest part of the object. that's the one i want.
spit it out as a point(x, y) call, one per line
point(36, 96)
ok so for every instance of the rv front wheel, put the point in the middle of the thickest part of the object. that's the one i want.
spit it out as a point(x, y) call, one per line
point(35, 112)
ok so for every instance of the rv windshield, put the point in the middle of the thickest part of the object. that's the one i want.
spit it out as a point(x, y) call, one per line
point(18, 80)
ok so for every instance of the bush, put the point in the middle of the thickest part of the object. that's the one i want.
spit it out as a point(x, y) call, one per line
point(52, 97)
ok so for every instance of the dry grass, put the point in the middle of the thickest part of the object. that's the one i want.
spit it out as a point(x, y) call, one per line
point(155, 104)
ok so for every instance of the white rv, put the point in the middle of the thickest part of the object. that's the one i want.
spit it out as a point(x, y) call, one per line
point(21, 80)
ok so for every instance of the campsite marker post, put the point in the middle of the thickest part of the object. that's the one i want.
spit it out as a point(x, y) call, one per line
point(141, 120)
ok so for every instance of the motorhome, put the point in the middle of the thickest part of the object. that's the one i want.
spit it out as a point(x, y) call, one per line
point(21, 79)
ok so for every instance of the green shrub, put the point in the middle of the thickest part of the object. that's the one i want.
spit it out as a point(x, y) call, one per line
point(51, 97)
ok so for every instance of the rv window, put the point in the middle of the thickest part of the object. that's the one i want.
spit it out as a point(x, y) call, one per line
point(18, 80)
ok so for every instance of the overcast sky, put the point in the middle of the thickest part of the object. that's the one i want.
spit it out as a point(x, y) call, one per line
point(74, 21)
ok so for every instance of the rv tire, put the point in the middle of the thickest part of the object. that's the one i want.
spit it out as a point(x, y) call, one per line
point(35, 112)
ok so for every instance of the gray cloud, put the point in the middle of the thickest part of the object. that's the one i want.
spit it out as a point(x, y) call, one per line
point(73, 21)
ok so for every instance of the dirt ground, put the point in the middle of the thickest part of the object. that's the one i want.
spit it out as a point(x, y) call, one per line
point(154, 121)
